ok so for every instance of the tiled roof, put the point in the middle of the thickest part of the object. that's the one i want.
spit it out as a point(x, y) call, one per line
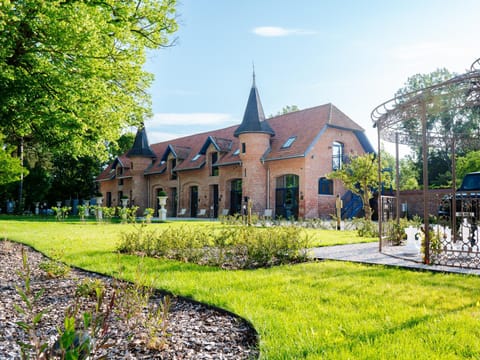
point(195, 144)
point(306, 125)
point(110, 171)
point(140, 145)
point(253, 118)
point(222, 145)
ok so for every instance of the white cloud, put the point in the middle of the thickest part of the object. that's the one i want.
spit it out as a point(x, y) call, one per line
point(277, 31)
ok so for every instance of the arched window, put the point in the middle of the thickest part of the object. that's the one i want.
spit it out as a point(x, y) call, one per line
point(325, 186)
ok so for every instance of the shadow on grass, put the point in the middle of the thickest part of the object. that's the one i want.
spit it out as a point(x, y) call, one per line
point(126, 262)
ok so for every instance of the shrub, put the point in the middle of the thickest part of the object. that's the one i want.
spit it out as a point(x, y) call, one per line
point(230, 247)
point(366, 228)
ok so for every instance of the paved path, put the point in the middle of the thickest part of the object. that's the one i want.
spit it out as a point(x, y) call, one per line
point(368, 253)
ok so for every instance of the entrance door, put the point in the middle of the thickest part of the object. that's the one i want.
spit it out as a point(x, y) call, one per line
point(193, 201)
point(215, 200)
point(286, 196)
point(236, 197)
point(173, 202)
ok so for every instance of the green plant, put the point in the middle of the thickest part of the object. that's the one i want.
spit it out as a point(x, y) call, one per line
point(133, 300)
point(148, 213)
point(82, 209)
point(396, 230)
point(83, 335)
point(337, 309)
point(30, 315)
point(366, 228)
point(61, 213)
point(54, 268)
point(108, 213)
point(89, 287)
point(232, 247)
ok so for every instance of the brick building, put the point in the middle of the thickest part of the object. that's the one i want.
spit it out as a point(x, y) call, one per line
point(278, 163)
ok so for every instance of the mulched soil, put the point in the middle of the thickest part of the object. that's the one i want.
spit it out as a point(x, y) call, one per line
point(195, 331)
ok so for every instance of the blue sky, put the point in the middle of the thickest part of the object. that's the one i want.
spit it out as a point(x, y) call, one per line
point(354, 54)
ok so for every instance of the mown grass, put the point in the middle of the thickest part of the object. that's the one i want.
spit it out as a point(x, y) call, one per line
point(327, 310)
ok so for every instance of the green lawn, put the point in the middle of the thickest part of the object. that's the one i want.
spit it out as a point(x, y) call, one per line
point(326, 310)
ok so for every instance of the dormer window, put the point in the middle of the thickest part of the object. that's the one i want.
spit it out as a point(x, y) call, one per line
point(173, 174)
point(196, 157)
point(289, 142)
point(214, 168)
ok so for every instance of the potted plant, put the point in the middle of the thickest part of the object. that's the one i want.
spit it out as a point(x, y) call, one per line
point(98, 208)
point(124, 200)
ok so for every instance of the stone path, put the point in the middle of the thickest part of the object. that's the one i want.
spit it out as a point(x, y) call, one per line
point(368, 253)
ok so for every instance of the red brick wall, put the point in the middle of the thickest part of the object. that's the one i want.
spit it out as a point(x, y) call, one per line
point(319, 164)
point(316, 163)
point(415, 202)
point(253, 171)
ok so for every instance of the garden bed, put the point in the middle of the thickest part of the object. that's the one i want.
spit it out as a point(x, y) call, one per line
point(192, 331)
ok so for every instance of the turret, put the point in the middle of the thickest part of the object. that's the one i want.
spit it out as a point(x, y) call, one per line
point(254, 134)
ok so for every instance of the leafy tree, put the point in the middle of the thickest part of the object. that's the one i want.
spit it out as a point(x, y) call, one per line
point(71, 71)
point(11, 169)
point(360, 175)
point(121, 146)
point(71, 75)
point(407, 167)
point(466, 164)
point(408, 174)
point(447, 119)
point(286, 109)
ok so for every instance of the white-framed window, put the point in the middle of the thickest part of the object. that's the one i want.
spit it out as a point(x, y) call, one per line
point(337, 155)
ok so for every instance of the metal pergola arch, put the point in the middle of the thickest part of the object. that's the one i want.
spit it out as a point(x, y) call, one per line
point(415, 107)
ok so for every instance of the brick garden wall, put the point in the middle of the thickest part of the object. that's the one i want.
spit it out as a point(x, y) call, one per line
point(414, 200)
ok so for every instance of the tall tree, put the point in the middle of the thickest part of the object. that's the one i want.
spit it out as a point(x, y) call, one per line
point(71, 72)
point(121, 146)
point(468, 163)
point(446, 120)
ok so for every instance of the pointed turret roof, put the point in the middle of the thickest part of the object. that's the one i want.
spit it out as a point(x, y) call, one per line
point(140, 146)
point(254, 118)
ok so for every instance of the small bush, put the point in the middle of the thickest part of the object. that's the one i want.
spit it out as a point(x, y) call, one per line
point(231, 247)
point(54, 268)
point(366, 228)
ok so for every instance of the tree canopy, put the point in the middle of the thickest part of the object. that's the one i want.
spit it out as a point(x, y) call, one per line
point(360, 175)
point(286, 109)
point(10, 167)
point(71, 73)
point(447, 120)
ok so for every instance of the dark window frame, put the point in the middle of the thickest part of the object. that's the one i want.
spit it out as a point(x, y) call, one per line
point(325, 186)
